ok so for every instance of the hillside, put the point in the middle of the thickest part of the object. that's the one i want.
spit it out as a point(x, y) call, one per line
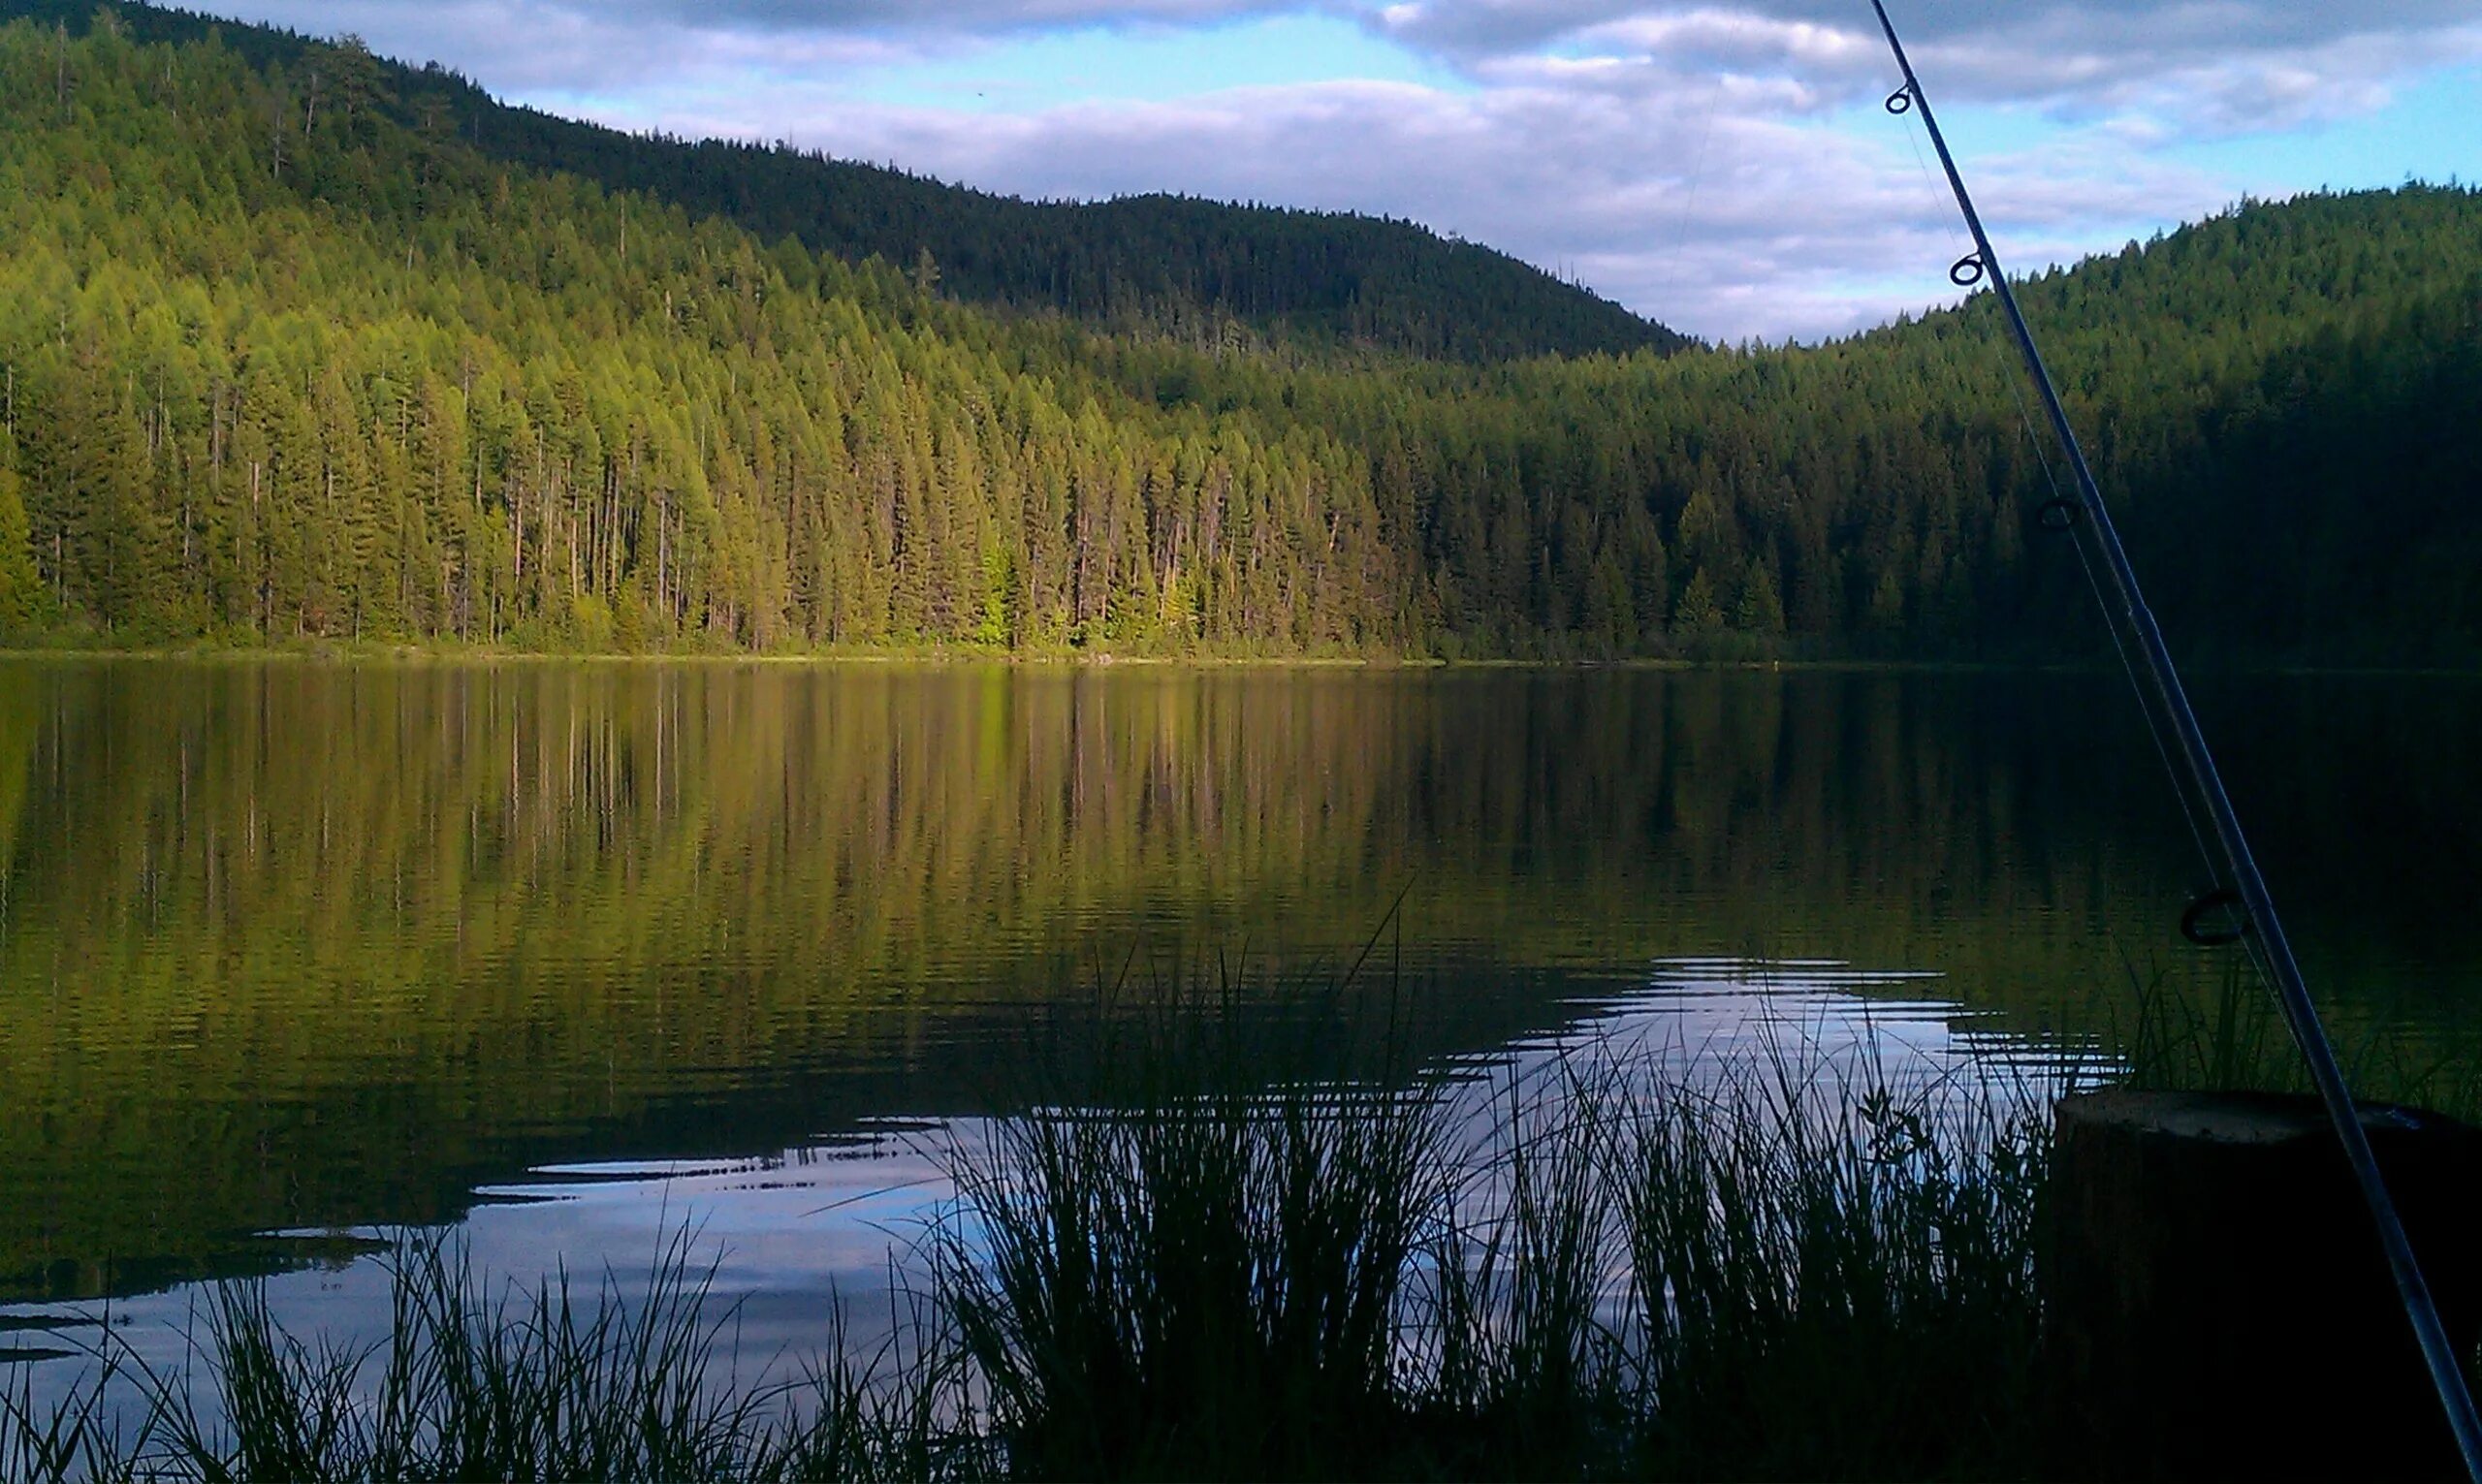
point(280, 365)
point(1202, 270)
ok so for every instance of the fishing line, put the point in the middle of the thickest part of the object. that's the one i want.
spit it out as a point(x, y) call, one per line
point(2069, 522)
point(1689, 208)
point(2153, 730)
point(2257, 925)
point(2078, 539)
point(2060, 502)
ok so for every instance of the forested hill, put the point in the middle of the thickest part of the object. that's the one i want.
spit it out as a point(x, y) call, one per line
point(280, 364)
point(1205, 272)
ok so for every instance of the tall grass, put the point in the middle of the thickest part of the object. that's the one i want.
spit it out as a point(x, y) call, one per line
point(478, 1381)
point(77, 1437)
point(2232, 1037)
point(1592, 1268)
point(1214, 1282)
point(1836, 1282)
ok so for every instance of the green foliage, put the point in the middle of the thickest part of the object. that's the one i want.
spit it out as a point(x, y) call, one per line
point(1211, 275)
point(21, 594)
point(324, 377)
point(307, 346)
point(1699, 612)
point(1761, 610)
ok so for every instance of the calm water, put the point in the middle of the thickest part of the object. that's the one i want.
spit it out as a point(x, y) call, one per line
point(291, 949)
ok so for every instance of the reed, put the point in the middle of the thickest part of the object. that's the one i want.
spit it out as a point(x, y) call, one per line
point(78, 1436)
point(1599, 1267)
point(2231, 1035)
point(1837, 1280)
point(485, 1381)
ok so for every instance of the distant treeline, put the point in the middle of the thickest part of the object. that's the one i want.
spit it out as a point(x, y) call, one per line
point(289, 355)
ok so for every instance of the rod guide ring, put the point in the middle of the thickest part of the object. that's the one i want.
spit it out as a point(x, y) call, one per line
point(2194, 923)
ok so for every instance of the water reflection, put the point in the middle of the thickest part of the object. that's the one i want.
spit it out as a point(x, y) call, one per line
point(310, 947)
point(825, 1237)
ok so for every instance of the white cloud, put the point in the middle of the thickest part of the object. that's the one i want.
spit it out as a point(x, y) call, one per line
point(2128, 29)
point(1702, 205)
point(1720, 165)
point(525, 47)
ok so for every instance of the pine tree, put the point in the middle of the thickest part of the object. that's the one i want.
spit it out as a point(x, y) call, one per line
point(406, 384)
point(22, 598)
point(1759, 610)
point(1698, 613)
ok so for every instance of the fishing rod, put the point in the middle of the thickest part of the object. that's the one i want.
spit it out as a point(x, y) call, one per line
point(2195, 768)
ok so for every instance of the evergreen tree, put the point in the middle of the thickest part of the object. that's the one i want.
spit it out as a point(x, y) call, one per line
point(288, 359)
point(1698, 612)
point(1760, 609)
point(21, 592)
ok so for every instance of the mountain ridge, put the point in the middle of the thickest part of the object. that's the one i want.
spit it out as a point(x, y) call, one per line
point(281, 369)
point(1195, 269)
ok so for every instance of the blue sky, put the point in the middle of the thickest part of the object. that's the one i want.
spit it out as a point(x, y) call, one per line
point(1721, 165)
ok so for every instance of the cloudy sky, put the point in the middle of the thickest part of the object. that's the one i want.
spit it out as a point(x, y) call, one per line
point(1721, 165)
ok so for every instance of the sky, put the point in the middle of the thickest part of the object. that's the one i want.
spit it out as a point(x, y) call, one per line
point(1723, 166)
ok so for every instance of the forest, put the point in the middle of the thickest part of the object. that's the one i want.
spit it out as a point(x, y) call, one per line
point(302, 346)
point(1213, 274)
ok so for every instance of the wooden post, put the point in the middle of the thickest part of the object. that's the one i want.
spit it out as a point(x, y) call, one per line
point(2215, 1301)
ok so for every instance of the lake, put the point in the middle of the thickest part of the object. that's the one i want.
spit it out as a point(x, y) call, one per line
point(573, 952)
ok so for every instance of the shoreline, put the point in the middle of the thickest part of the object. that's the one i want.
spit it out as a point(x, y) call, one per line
point(353, 653)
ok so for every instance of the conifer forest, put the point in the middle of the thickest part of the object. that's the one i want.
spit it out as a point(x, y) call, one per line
point(306, 346)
